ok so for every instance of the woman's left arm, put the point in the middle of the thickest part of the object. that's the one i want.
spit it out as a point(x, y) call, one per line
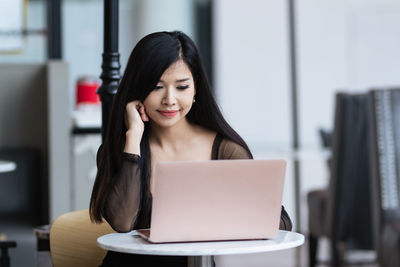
point(286, 223)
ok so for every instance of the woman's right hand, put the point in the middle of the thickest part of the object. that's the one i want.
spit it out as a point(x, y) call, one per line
point(135, 116)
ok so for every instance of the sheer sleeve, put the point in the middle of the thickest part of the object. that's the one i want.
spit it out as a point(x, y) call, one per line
point(286, 223)
point(122, 204)
point(231, 150)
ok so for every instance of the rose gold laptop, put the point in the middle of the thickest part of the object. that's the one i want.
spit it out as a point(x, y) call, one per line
point(216, 200)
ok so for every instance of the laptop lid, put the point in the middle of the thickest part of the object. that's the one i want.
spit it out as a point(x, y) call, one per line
point(216, 200)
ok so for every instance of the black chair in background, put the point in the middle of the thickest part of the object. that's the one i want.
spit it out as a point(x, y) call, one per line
point(20, 192)
point(19, 197)
point(342, 211)
point(385, 174)
point(326, 138)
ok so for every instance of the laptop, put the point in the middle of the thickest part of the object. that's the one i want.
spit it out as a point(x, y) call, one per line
point(216, 200)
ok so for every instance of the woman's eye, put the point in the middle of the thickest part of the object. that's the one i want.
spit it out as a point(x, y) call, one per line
point(183, 87)
point(157, 87)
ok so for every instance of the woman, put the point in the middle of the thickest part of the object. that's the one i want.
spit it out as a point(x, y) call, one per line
point(163, 111)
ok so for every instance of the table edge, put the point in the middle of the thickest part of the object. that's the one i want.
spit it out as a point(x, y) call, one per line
point(236, 251)
point(7, 166)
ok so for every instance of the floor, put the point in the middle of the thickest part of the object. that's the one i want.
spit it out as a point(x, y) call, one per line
point(288, 258)
point(25, 254)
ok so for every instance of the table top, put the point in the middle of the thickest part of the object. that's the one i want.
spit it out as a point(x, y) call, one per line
point(7, 166)
point(132, 243)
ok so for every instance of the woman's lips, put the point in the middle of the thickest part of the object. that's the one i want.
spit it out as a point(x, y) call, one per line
point(168, 113)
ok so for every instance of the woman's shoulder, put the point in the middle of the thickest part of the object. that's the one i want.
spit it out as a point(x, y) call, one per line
point(225, 148)
point(203, 135)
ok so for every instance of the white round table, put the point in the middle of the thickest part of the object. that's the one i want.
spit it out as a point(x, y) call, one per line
point(7, 166)
point(132, 243)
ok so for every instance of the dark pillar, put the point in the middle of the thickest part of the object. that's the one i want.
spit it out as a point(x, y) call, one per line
point(203, 14)
point(295, 126)
point(295, 121)
point(54, 48)
point(110, 75)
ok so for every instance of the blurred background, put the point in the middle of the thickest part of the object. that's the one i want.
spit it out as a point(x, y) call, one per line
point(275, 66)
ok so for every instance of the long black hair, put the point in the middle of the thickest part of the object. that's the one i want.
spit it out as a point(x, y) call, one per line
point(149, 59)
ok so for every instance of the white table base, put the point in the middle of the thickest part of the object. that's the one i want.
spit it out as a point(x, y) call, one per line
point(201, 261)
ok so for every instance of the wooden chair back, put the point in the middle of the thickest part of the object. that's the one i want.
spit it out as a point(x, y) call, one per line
point(73, 240)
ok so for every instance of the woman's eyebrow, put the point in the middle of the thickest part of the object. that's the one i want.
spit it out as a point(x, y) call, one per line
point(182, 80)
point(178, 81)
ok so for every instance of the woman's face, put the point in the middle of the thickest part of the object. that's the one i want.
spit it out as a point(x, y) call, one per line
point(172, 98)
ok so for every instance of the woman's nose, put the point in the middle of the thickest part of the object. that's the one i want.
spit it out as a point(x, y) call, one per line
point(169, 98)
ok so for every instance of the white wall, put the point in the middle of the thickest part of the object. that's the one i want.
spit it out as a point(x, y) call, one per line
point(251, 69)
point(349, 45)
point(161, 15)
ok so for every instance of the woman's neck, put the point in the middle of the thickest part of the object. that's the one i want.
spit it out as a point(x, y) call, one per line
point(171, 137)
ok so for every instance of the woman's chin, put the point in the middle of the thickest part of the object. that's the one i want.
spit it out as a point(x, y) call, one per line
point(168, 122)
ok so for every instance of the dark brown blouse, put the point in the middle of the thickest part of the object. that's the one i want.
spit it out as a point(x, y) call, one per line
point(124, 209)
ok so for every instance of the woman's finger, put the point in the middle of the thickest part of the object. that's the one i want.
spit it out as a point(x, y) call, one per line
point(143, 113)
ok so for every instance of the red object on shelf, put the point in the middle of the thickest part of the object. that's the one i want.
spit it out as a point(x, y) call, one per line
point(86, 88)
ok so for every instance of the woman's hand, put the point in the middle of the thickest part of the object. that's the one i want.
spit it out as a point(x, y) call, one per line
point(135, 116)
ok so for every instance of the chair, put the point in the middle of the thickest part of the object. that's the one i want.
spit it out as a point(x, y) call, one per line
point(73, 240)
point(385, 178)
point(341, 212)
